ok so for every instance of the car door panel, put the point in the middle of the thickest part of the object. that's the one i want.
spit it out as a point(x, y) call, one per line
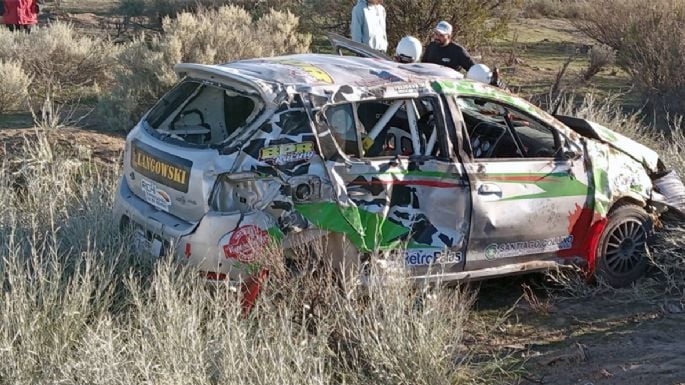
point(524, 207)
point(414, 208)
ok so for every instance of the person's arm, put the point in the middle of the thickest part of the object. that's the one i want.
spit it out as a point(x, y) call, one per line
point(427, 52)
point(357, 26)
point(465, 61)
point(2, 8)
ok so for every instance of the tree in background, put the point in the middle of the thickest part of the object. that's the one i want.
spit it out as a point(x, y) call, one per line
point(649, 40)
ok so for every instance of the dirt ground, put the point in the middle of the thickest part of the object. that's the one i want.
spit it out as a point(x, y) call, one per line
point(103, 148)
point(605, 336)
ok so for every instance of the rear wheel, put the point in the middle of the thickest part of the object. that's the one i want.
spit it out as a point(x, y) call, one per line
point(622, 250)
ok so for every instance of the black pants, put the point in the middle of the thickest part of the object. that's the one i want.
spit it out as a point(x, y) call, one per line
point(19, 27)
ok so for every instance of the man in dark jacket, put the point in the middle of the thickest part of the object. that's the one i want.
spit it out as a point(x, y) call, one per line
point(442, 50)
point(19, 14)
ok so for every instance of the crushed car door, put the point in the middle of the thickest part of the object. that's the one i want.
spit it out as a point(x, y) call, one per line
point(528, 183)
point(401, 194)
point(344, 47)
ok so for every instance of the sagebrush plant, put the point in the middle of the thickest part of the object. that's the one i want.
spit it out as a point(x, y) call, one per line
point(79, 306)
point(60, 60)
point(14, 88)
point(210, 36)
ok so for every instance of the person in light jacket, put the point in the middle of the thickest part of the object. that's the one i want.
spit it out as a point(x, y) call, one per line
point(368, 24)
point(19, 15)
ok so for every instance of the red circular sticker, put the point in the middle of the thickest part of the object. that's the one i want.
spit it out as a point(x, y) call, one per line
point(245, 243)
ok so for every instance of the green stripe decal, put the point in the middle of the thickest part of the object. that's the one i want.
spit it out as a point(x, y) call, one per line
point(366, 230)
point(554, 185)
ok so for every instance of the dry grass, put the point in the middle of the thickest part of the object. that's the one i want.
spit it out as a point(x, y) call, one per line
point(79, 306)
point(14, 88)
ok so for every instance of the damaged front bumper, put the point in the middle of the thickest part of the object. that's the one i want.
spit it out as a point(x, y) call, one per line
point(670, 192)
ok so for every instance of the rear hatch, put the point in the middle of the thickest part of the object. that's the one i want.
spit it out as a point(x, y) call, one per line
point(173, 156)
point(173, 179)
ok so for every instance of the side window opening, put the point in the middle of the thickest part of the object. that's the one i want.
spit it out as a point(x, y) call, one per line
point(342, 124)
point(535, 139)
point(386, 128)
point(498, 131)
point(206, 116)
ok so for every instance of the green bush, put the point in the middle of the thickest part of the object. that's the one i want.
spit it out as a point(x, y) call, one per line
point(649, 40)
point(209, 36)
point(14, 88)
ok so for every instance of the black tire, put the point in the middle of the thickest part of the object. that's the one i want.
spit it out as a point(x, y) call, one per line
point(621, 252)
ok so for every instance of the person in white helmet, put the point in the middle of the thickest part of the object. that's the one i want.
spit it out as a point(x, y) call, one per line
point(408, 50)
point(482, 73)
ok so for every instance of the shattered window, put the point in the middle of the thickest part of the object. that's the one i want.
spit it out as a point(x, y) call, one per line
point(537, 140)
point(171, 102)
point(203, 114)
point(488, 132)
point(340, 119)
point(499, 131)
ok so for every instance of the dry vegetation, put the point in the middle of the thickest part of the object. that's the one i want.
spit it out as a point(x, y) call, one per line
point(79, 306)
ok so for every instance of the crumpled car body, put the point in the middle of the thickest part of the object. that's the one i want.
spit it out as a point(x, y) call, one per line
point(449, 178)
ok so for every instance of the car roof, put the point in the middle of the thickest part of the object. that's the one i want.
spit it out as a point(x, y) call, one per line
point(313, 70)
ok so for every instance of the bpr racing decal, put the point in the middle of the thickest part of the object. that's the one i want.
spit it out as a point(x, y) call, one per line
point(287, 153)
point(513, 249)
point(246, 243)
point(160, 166)
point(154, 196)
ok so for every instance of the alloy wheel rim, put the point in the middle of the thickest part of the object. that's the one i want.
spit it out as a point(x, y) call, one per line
point(626, 246)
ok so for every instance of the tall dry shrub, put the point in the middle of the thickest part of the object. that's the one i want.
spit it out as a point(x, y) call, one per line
point(60, 60)
point(476, 22)
point(14, 87)
point(210, 36)
point(649, 40)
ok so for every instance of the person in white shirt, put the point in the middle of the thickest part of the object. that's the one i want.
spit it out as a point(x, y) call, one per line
point(368, 24)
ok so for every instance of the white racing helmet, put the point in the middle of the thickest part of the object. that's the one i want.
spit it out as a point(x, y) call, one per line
point(480, 73)
point(408, 50)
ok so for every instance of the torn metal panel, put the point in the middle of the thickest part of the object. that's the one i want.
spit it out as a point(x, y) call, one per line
point(670, 186)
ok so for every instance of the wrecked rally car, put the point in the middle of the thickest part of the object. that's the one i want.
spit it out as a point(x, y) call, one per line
point(454, 179)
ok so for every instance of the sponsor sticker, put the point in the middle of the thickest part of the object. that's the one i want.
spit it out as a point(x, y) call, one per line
point(154, 196)
point(311, 70)
point(287, 153)
point(421, 257)
point(245, 243)
point(513, 249)
point(167, 169)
